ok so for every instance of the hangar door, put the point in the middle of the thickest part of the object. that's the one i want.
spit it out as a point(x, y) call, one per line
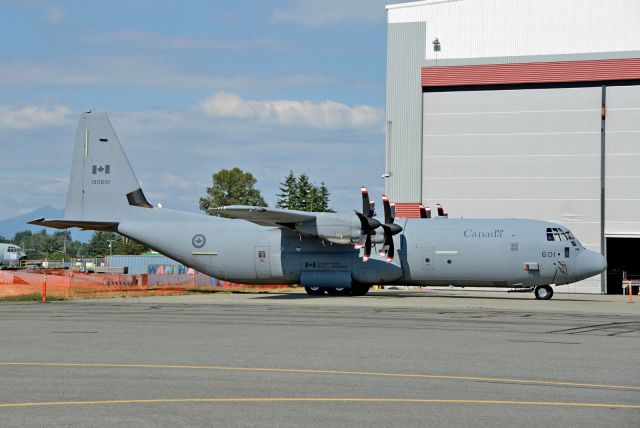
point(525, 153)
point(622, 219)
point(623, 161)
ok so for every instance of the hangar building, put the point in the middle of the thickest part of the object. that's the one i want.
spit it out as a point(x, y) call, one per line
point(527, 108)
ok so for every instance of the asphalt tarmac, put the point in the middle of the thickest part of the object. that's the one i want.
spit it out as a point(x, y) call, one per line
point(392, 358)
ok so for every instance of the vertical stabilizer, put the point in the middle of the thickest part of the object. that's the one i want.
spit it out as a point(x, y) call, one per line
point(102, 185)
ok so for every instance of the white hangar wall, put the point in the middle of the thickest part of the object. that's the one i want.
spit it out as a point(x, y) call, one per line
point(489, 29)
point(520, 142)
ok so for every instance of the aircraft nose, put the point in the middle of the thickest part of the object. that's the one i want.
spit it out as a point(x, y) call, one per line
point(591, 263)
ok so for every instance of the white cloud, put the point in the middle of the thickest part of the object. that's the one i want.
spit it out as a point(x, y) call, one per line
point(33, 116)
point(313, 13)
point(326, 114)
point(174, 152)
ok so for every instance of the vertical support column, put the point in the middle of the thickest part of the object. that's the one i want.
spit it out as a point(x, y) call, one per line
point(603, 240)
point(405, 58)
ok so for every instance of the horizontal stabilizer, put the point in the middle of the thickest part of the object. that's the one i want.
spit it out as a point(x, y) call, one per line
point(84, 225)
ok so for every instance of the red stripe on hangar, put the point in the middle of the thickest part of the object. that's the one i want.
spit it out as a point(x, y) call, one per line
point(407, 210)
point(533, 72)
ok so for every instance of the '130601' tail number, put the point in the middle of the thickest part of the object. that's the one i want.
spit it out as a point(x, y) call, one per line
point(100, 181)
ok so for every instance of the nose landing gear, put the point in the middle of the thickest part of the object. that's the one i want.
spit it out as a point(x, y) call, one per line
point(543, 292)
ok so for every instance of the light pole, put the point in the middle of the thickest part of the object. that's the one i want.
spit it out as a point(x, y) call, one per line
point(111, 241)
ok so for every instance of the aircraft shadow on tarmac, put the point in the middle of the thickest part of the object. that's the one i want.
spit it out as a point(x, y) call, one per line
point(406, 294)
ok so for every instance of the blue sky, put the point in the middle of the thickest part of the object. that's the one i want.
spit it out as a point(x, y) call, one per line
point(193, 87)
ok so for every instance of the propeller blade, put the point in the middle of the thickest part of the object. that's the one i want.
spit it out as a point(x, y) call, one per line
point(372, 210)
point(393, 210)
point(423, 211)
point(390, 251)
point(440, 210)
point(388, 217)
point(446, 214)
point(366, 206)
point(364, 223)
point(388, 247)
point(367, 249)
point(428, 212)
point(367, 227)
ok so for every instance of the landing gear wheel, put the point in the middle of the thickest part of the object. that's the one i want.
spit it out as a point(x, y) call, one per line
point(359, 290)
point(543, 292)
point(314, 291)
point(338, 291)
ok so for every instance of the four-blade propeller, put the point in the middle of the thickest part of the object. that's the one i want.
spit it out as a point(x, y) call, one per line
point(390, 229)
point(368, 225)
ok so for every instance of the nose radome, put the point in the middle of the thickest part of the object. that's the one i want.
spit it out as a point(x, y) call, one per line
point(591, 263)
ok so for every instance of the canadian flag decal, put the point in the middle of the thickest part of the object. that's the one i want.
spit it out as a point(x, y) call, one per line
point(102, 169)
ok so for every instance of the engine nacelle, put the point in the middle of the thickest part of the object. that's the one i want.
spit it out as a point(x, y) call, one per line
point(339, 229)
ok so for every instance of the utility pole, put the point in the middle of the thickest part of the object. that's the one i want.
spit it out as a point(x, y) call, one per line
point(111, 241)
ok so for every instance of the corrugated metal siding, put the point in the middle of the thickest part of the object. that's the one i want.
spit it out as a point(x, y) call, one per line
point(531, 153)
point(405, 54)
point(507, 28)
point(622, 156)
point(535, 72)
point(147, 264)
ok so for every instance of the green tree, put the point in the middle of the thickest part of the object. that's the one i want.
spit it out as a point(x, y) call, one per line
point(319, 199)
point(287, 189)
point(299, 193)
point(99, 245)
point(129, 246)
point(231, 187)
point(41, 245)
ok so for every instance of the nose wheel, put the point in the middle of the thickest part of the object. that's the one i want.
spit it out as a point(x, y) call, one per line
point(543, 292)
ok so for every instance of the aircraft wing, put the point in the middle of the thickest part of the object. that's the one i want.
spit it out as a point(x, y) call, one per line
point(267, 216)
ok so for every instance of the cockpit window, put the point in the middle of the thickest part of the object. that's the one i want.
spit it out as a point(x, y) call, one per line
point(558, 234)
point(549, 234)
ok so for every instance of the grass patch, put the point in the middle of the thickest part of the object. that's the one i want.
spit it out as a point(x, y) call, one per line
point(36, 297)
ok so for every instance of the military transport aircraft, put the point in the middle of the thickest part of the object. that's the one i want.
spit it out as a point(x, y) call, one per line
point(324, 252)
point(10, 256)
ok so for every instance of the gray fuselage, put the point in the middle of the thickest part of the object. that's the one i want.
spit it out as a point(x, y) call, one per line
point(439, 251)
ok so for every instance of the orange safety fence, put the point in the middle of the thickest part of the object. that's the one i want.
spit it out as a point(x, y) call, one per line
point(72, 285)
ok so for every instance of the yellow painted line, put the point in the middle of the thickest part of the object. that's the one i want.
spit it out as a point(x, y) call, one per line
point(321, 399)
point(326, 372)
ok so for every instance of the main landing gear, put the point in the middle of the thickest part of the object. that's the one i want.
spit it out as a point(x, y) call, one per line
point(543, 292)
point(356, 290)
